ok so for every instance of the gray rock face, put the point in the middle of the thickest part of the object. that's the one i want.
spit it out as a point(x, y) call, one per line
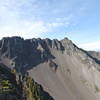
point(25, 53)
point(64, 70)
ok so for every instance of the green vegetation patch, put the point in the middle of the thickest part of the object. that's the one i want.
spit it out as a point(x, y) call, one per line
point(97, 88)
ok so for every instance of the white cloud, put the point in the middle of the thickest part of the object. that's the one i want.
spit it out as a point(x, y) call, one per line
point(66, 18)
point(24, 28)
point(14, 22)
point(11, 23)
point(90, 46)
point(57, 24)
point(23, 18)
point(60, 22)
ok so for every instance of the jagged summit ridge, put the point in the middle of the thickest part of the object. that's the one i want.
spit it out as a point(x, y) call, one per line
point(37, 50)
point(22, 53)
point(50, 43)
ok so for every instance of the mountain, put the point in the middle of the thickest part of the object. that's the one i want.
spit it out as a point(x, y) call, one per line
point(65, 71)
point(95, 54)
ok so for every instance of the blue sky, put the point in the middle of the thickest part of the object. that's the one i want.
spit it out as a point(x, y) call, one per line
point(79, 20)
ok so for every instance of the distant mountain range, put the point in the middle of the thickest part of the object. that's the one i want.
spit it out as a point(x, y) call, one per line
point(45, 69)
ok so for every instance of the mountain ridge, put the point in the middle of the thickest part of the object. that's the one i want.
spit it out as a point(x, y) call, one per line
point(64, 70)
point(39, 46)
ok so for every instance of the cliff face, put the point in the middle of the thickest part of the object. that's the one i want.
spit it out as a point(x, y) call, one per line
point(13, 86)
point(19, 53)
point(65, 71)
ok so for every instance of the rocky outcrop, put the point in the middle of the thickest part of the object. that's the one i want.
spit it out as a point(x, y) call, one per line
point(20, 88)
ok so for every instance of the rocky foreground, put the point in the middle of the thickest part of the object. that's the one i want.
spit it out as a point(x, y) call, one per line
point(15, 87)
point(64, 71)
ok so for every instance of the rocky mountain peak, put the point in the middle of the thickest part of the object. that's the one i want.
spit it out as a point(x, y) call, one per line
point(31, 52)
